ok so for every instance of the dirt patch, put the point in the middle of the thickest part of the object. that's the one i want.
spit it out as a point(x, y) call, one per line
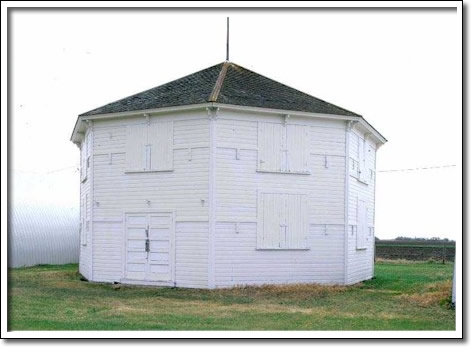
point(432, 295)
point(398, 261)
point(288, 291)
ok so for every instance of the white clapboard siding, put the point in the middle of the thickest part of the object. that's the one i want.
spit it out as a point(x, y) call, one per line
point(360, 259)
point(107, 250)
point(238, 181)
point(241, 143)
point(192, 254)
point(182, 189)
point(179, 143)
point(238, 262)
point(160, 139)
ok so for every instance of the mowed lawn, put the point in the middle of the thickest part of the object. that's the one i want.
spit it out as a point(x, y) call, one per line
point(403, 296)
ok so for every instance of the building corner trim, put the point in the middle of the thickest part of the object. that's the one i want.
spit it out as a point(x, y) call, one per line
point(212, 116)
point(92, 196)
point(348, 129)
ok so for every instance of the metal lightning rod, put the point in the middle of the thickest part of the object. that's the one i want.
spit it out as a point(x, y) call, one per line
point(227, 41)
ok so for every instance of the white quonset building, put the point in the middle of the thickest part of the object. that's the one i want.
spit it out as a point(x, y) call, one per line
point(222, 178)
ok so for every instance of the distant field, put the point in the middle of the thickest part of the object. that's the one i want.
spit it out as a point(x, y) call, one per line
point(403, 296)
point(415, 250)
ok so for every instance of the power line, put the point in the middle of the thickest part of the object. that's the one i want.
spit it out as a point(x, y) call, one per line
point(75, 167)
point(419, 168)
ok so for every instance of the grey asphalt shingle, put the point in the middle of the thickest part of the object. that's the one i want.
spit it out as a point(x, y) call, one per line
point(236, 86)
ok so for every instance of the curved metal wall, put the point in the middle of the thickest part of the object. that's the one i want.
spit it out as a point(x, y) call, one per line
point(43, 235)
point(43, 219)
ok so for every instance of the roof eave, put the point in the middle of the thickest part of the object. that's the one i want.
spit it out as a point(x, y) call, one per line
point(380, 139)
point(377, 135)
point(81, 118)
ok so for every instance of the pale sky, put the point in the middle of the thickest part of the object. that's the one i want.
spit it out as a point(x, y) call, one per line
point(399, 69)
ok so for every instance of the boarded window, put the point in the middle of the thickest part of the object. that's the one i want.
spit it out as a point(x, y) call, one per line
point(136, 140)
point(283, 148)
point(362, 171)
point(149, 147)
point(160, 141)
point(282, 221)
point(354, 167)
point(83, 168)
point(85, 153)
point(270, 146)
point(362, 224)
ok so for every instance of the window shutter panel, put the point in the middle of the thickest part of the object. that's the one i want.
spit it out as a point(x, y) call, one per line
point(368, 164)
point(88, 152)
point(136, 140)
point(297, 221)
point(83, 162)
point(298, 147)
point(270, 220)
point(161, 145)
point(283, 221)
point(269, 146)
point(362, 160)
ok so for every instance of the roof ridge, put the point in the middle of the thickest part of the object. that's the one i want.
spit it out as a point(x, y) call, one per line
point(218, 85)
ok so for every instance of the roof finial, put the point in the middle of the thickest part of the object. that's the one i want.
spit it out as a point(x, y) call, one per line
point(227, 41)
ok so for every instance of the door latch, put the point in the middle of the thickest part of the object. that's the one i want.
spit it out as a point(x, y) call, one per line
point(147, 245)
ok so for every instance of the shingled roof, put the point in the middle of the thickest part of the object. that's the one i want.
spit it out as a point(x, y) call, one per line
point(225, 83)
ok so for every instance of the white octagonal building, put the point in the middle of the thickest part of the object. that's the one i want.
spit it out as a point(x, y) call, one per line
point(222, 178)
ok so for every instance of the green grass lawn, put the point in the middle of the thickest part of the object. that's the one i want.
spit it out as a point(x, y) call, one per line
point(403, 296)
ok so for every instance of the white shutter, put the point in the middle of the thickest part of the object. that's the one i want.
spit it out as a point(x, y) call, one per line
point(136, 140)
point(297, 139)
point(362, 160)
point(297, 221)
point(84, 155)
point(269, 146)
point(362, 224)
point(83, 161)
point(269, 220)
point(160, 139)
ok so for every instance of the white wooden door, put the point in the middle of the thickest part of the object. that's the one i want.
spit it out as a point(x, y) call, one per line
point(160, 246)
point(149, 247)
point(136, 255)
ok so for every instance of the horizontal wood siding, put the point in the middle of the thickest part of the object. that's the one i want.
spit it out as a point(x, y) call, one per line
point(192, 254)
point(107, 251)
point(184, 190)
point(237, 183)
point(360, 261)
point(239, 263)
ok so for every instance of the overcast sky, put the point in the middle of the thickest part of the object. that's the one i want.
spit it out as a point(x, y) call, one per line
point(399, 69)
